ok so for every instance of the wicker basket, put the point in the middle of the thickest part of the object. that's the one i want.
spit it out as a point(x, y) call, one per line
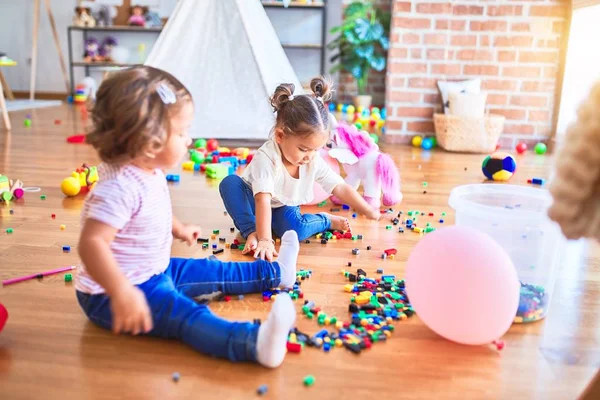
point(468, 135)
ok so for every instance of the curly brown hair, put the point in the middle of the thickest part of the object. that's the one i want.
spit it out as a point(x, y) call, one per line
point(129, 116)
point(305, 114)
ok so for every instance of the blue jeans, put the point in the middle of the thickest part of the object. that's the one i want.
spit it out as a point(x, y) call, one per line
point(176, 316)
point(239, 202)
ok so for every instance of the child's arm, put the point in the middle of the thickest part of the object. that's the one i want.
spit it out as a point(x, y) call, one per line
point(129, 308)
point(348, 195)
point(265, 248)
point(187, 233)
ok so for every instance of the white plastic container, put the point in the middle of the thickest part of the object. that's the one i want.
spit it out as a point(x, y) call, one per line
point(516, 217)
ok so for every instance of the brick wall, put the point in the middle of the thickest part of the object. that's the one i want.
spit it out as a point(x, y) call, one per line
point(513, 46)
point(346, 86)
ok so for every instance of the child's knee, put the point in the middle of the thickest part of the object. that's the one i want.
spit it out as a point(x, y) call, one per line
point(228, 182)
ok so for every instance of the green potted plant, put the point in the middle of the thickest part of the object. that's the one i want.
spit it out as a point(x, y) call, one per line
point(362, 44)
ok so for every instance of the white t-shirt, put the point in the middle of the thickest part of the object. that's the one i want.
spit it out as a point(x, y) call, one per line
point(267, 174)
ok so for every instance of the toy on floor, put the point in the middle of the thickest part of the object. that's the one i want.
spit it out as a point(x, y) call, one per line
point(10, 190)
point(37, 276)
point(83, 17)
point(460, 268)
point(138, 16)
point(363, 162)
point(82, 180)
point(521, 148)
point(540, 148)
point(3, 316)
point(499, 166)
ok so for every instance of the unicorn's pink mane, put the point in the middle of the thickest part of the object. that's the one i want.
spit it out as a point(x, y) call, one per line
point(359, 143)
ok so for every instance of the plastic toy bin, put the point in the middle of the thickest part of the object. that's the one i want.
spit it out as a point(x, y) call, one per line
point(516, 217)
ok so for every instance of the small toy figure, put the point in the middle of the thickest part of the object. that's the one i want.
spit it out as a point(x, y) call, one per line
point(153, 19)
point(82, 180)
point(92, 50)
point(138, 16)
point(83, 17)
point(106, 48)
point(104, 15)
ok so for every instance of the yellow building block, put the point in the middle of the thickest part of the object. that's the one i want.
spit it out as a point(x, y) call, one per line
point(348, 288)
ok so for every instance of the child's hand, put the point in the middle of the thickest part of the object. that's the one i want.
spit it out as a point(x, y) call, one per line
point(265, 250)
point(189, 234)
point(130, 311)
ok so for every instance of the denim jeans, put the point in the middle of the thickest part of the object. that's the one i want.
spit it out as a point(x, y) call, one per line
point(239, 202)
point(176, 316)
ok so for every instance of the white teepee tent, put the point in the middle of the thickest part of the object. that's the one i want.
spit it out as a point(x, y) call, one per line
point(228, 55)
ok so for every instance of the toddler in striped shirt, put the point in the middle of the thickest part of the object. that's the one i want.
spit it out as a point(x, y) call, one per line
point(128, 281)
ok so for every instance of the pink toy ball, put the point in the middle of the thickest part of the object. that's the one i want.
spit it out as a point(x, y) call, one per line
point(463, 285)
point(3, 316)
point(521, 148)
point(320, 194)
point(18, 193)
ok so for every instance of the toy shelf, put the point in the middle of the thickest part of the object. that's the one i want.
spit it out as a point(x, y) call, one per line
point(294, 4)
point(100, 64)
point(317, 6)
point(117, 28)
point(85, 30)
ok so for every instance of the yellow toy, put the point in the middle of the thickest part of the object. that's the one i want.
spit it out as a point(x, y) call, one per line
point(82, 180)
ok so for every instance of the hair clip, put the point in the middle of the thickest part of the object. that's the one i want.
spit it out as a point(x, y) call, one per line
point(291, 97)
point(166, 94)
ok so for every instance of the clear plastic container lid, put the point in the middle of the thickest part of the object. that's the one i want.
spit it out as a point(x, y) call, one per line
point(519, 203)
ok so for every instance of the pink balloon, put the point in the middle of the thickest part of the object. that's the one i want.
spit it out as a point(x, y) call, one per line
point(463, 285)
point(318, 191)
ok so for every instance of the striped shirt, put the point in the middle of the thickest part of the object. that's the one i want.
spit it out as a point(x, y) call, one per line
point(138, 205)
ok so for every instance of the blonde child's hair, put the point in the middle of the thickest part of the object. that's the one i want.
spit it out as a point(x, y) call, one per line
point(129, 115)
point(305, 114)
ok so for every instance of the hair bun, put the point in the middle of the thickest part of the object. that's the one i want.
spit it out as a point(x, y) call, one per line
point(321, 87)
point(282, 95)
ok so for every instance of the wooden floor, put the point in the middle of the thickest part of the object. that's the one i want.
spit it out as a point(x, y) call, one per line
point(49, 350)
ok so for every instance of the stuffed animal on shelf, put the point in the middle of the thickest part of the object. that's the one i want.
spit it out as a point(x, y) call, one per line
point(104, 15)
point(138, 16)
point(153, 19)
point(363, 162)
point(576, 187)
point(92, 50)
point(83, 17)
point(106, 49)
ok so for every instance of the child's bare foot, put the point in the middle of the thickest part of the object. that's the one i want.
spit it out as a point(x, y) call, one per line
point(251, 243)
point(338, 223)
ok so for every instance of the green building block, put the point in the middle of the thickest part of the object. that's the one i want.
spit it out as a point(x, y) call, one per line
point(43, 197)
point(322, 204)
point(309, 380)
point(9, 230)
point(68, 278)
point(217, 171)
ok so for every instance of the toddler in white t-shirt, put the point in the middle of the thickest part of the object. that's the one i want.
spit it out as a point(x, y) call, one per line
point(282, 173)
